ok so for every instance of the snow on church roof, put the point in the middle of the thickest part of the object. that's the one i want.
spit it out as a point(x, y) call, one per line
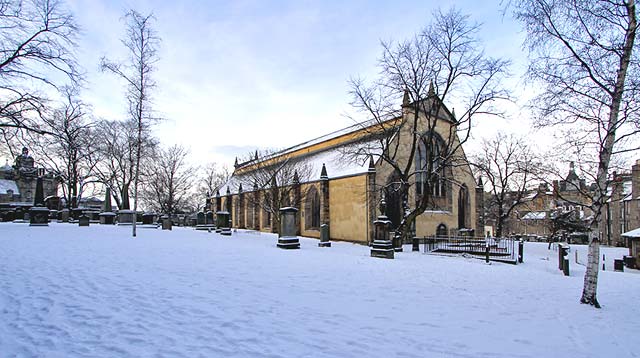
point(337, 163)
point(6, 185)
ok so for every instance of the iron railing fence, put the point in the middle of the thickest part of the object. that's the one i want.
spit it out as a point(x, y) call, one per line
point(500, 249)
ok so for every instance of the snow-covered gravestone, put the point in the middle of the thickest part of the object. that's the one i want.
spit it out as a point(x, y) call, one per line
point(287, 238)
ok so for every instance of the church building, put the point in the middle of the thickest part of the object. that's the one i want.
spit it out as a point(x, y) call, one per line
point(339, 180)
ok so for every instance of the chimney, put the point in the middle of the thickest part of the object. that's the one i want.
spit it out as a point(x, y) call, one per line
point(556, 189)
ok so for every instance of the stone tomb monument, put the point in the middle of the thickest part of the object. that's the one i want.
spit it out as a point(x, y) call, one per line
point(288, 238)
point(107, 216)
point(125, 217)
point(149, 221)
point(222, 219)
point(201, 221)
point(382, 247)
point(39, 214)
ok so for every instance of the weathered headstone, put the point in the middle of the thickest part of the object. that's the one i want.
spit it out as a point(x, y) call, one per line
point(287, 236)
point(107, 216)
point(166, 222)
point(19, 215)
point(75, 214)
point(415, 244)
point(148, 221)
point(125, 217)
point(382, 247)
point(201, 221)
point(9, 216)
point(83, 220)
point(223, 224)
point(64, 216)
point(39, 213)
point(324, 236)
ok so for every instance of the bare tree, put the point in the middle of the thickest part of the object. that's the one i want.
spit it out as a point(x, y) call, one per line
point(142, 42)
point(212, 177)
point(444, 62)
point(168, 188)
point(115, 160)
point(510, 167)
point(585, 56)
point(37, 38)
point(68, 150)
point(274, 177)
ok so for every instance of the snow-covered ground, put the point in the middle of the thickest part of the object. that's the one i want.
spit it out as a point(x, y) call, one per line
point(68, 291)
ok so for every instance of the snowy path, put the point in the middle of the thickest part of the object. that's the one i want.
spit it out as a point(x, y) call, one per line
point(67, 291)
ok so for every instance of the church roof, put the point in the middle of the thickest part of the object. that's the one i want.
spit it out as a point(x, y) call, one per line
point(6, 185)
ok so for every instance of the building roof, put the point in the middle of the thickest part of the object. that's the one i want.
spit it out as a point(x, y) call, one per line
point(333, 158)
point(633, 233)
point(535, 215)
point(6, 185)
point(334, 150)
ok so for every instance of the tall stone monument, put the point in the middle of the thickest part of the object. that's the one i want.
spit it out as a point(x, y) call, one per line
point(39, 213)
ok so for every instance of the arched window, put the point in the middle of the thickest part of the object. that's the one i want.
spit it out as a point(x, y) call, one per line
point(312, 209)
point(463, 207)
point(441, 230)
point(430, 166)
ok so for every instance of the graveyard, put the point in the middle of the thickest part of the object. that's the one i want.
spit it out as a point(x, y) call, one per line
point(70, 290)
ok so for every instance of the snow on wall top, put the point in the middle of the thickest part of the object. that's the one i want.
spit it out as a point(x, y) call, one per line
point(6, 185)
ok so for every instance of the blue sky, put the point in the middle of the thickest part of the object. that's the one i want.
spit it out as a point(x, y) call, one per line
point(236, 75)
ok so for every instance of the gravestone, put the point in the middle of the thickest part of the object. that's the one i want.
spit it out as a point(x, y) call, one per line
point(166, 222)
point(209, 220)
point(75, 214)
point(83, 220)
point(107, 216)
point(64, 216)
point(19, 215)
point(287, 236)
point(94, 216)
point(201, 221)
point(222, 223)
point(324, 236)
point(53, 214)
point(148, 221)
point(39, 213)
point(9, 216)
point(382, 247)
point(125, 217)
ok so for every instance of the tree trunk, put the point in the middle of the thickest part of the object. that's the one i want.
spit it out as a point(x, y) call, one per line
point(591, 275)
